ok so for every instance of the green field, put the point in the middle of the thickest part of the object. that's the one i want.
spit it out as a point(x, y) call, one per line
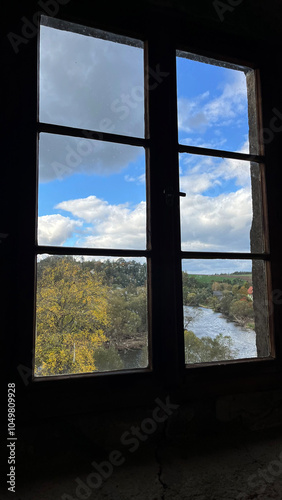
point(209, 278)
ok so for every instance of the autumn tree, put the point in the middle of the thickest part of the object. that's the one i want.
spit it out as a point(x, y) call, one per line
point(71, 317)
point(192, 299)
point(216, 286)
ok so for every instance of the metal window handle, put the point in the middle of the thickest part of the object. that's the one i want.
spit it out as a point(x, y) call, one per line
point(169, 196)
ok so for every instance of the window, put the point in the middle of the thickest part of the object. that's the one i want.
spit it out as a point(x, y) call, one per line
point(92, 297)
point(120, 247)
point(222, 214)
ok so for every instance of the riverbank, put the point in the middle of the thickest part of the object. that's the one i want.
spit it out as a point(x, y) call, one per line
point(135, 342)
point(243, 323)
point(204, 322)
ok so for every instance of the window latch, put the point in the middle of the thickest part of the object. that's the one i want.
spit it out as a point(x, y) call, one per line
point(169, 196)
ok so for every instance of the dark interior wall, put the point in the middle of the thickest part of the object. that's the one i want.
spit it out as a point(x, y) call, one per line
point(207, 428)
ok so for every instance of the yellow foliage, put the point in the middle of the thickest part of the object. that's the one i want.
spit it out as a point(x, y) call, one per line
point(71, 317)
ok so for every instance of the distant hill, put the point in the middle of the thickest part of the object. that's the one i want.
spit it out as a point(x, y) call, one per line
point(209, 278)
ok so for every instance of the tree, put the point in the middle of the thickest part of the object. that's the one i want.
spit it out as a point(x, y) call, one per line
point(71, 318)
point(206, 349)
point(243, 290)
point(225, 303)
point(120, 273)
point(216, 286)
point(192, 299)
point(107, 359)
point(242, 310)
point(127, 313)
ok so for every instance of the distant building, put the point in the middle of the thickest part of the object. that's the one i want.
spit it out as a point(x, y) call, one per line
point(250, 292)
point(218, 294)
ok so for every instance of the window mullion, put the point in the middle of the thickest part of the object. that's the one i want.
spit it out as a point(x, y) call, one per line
point(164, 210)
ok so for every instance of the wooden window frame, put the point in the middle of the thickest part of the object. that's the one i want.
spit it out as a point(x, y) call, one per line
point(91, 392)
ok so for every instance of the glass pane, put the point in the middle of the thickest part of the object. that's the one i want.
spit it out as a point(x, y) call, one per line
point(91, 315)
point(91, 83)
point(222, 210)
point(91, 193)
point(225, 310)
point(212, 105)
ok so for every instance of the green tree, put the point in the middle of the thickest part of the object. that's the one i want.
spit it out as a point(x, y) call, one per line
point(120, 273)
point(127, 313)
point(107, 359)
point(242, 311)
point(206, 349)
point(225, 303)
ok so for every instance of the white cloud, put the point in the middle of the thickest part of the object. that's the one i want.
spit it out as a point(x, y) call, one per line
point(94, 84)
point(217, 224)
point(91, 83)
point(200, 173)
point(213, 217)
point(62, 156)
point(217, 143)
point(221, 223)
point(138, 180)
point(56, 229)
point(110, 226)
point(238, 170)
point(200, 113)
point(90, 209)
point(190, 113)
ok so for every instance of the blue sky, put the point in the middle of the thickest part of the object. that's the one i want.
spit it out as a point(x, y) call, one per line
point(92, 193)
point(212, 106)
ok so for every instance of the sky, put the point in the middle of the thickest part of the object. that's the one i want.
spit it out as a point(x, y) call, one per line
point(92, 193)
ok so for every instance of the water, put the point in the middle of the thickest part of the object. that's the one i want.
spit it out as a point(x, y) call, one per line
point(134, 358)
point(207, 323)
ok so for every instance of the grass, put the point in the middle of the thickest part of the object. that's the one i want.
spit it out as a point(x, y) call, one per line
point(209, 278)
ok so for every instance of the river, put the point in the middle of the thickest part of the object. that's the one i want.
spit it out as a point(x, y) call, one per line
point(207, 323)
